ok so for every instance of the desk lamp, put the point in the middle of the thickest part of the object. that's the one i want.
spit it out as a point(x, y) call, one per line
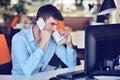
point(107, 7)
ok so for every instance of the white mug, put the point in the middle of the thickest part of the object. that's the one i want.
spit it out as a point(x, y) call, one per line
point(59, 40)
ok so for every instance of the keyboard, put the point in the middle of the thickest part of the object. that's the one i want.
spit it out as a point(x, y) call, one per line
point(71, 75)
point(95, 74)
point(109, 73)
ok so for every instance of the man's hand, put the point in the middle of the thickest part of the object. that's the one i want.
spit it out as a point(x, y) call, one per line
point(67, 36)
point(45, 36)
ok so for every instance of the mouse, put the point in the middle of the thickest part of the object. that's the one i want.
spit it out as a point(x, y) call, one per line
point(54, 78)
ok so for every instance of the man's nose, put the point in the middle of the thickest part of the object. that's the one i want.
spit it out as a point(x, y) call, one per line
point(54, 28)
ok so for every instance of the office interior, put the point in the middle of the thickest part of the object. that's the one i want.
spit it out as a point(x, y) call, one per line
point(20, 14)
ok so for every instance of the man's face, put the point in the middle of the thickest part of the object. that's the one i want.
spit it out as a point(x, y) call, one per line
point(52, 23)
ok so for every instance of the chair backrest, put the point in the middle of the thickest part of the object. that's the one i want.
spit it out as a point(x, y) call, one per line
point(61, 26)
point(4, 50)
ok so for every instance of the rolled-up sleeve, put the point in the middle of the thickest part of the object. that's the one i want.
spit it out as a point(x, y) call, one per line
point(67, 55)
point(71, 57)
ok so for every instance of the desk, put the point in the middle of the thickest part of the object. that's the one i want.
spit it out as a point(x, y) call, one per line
point(43, 75)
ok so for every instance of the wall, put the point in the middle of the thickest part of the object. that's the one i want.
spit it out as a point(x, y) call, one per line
point(77, 23)
point(115, 15)
point(118, 11)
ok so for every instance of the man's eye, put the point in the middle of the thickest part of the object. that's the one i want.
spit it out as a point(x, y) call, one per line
point(53, 24)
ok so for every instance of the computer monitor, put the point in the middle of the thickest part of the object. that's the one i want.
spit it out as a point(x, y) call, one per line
point(102, 45)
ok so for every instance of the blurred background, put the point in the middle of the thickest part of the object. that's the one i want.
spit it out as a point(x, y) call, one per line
point(20, 14)
point(28, 8)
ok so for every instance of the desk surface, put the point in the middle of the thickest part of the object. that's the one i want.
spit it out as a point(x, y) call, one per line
point(43, 75)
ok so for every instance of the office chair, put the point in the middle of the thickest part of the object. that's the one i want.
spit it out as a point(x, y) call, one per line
point(61, 25)
point(5, 59)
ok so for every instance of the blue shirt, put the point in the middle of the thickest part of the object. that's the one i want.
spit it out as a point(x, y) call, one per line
point(28, 58)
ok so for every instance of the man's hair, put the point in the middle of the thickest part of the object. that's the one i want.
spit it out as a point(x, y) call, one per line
point(47, 11)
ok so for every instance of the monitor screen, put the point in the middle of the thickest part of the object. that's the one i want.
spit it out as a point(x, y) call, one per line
point(102, 46)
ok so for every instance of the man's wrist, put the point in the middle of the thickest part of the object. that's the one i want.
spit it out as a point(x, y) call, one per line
point(70, 45)
point(42, 44)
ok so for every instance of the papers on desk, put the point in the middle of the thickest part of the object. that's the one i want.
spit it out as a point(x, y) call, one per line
point(107, 77)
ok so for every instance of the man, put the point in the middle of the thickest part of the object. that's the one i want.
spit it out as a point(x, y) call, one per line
point(32, 48)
